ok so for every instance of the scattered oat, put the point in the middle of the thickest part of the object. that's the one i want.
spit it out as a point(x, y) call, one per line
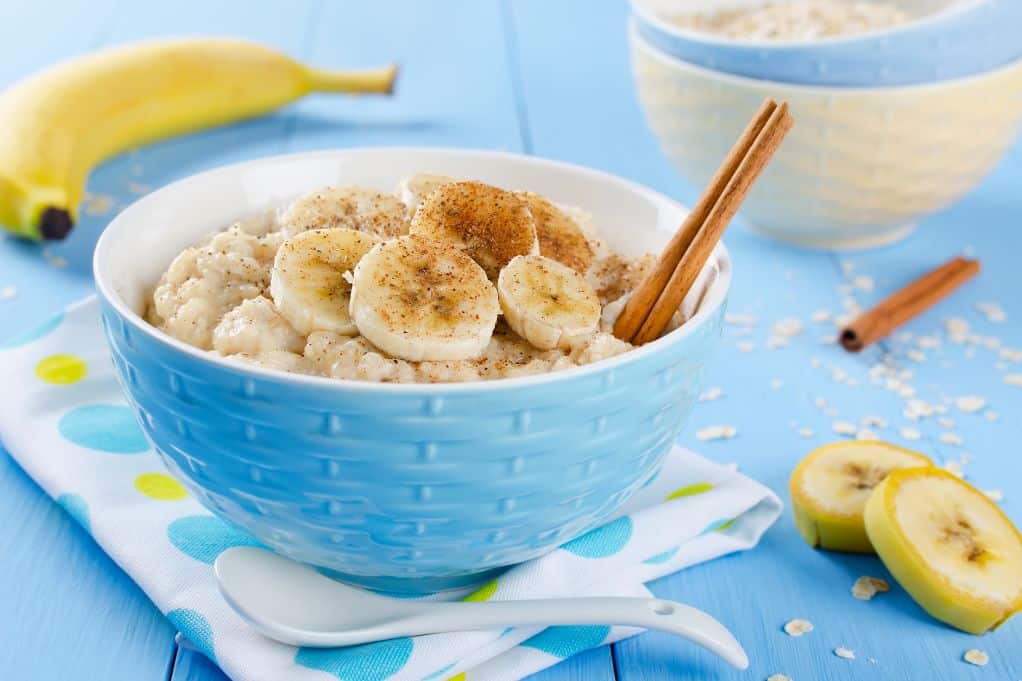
point(819, 403)
point(946, 422)
point(916, 355)
point(58, 262)
point(798, 627)
point(909, 433)
point(863, 283)
point(1010, 355)
point(778, 677)
point(739, 319)
point(821, 316)
point(775, 342)
point(788, 327)
point(716, 433)
point(873, 421)
point(866, 434)
point(992, 311)
point(806, 432)
point(866, 587)
point(1013, 379)
point(994, 494)
point(776, 383)
point(844, 653)
point(976, 657)
point(711, 394)
point(847, 266)
point(828, 340)
point(139, 188)
point(746, 346)
point(815, 362)
point(928, 342)
point(838, 376)
point(844, 428)
point(954, 468)
point(97, 204)
point(951, 439)
point(830, 411)
point(8, 293)
point(970, 403)
point(991, 415)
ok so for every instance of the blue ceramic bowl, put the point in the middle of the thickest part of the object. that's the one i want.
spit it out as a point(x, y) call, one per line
point(954, 39)
point(407, 488)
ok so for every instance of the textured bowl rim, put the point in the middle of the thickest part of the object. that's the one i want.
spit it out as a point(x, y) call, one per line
point(714, 298)
point(829, 90)
point(661, 24)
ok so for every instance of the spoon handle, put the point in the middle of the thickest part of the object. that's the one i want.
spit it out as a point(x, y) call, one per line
point(672, 617)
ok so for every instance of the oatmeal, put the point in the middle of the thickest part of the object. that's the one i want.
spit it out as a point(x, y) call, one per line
point(446, 281)
point(797, 20)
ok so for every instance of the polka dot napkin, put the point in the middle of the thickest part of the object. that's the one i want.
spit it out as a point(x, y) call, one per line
point(64, 420)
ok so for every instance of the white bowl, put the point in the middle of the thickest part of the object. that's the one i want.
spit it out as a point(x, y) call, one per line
point(860, 166)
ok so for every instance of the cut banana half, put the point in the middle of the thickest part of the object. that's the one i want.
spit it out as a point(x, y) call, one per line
point(421, 299)
point(310, 282)
point(414, 188)
point(547, 303)
point(559, 236)
point(490, 224)
point(949, 546)
point(830, 487)
point(364, 210)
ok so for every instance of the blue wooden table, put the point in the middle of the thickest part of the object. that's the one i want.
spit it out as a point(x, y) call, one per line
point(551, 79)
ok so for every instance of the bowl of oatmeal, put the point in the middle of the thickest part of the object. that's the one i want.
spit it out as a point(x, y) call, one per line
point(860, 167)
point(842, 43)
point(395, 364)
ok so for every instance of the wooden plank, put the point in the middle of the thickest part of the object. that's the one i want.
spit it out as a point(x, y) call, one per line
point(581, 107)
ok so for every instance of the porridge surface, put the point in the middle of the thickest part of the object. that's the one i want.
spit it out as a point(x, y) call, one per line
point(217, 295)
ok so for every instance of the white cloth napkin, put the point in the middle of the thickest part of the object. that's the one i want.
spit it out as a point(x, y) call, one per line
point(63, 418)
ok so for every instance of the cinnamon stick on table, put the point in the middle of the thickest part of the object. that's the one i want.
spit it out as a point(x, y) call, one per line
point(907, 303)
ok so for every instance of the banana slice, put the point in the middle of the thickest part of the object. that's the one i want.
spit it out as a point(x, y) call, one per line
point(309, 283)
point(490, 224)
point(547, 303)
point(414, 188)
point(421, 299)
point(829, 489)
point(364, 210)
point(559, 236)
point(949, 546)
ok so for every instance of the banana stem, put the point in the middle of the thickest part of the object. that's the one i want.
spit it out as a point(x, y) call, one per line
point(364, 81)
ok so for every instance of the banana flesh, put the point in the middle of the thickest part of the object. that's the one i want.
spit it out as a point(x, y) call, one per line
point(949, 546)
point(421, 299)
point(55, 126)
point(547, 303)
point(830, 488)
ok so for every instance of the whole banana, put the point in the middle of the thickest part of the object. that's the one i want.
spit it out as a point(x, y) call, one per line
point(55, 126)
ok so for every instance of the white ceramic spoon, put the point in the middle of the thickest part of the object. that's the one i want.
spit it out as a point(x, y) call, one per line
point(294, 604)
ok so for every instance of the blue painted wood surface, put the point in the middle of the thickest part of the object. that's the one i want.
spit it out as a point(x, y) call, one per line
point(550, 79)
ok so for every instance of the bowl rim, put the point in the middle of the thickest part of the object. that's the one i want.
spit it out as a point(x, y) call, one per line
point(714, 298)
point(661, 24)
point(637, 39)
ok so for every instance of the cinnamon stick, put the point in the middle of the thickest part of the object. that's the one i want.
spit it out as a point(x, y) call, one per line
point(646, 294)
point(737, 188)
point(908, 303)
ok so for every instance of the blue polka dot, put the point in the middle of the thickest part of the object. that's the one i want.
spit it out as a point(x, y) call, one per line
point(195, 628)
point(76, 507)
point(661, 557)
point(567, 641)
point(369, 662)
point(34, 334)
point(204, 537)
point(603, 541)
point(439, 672)
point(106, 427)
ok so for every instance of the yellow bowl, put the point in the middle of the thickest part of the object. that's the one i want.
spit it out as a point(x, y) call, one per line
point(861, 165)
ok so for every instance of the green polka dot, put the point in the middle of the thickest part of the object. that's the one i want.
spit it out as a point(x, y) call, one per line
point(483, 593)
point(160, 486)
point(61, 369)
point(689, 490)
point(725, 525)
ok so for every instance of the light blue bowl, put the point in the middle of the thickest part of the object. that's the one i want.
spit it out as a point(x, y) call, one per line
point(968, 38)
point(409, 488)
